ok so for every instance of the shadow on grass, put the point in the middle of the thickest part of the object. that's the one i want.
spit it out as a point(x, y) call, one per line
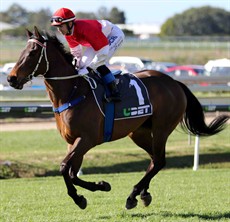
point(22, 170)
point(18, 169)
point(171, 162)
point(216, 216)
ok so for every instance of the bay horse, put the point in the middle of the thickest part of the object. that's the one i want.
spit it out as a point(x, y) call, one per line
point(81, 126)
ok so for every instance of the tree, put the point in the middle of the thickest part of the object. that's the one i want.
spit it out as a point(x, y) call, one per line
point(102, 13)
point(21, 18)
point(15, 15)
point(198, 21)
point(116, 16)
point(85, 15)
point(41, 18)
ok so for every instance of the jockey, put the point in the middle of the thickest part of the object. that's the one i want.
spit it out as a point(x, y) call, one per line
point(101, 39)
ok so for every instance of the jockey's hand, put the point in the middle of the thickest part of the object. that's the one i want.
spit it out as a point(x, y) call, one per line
point(82, 71)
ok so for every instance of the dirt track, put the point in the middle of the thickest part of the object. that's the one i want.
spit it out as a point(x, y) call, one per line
point(27, 124)
point(49, 123)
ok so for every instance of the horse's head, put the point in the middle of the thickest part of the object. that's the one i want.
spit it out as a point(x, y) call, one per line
point(32, 61)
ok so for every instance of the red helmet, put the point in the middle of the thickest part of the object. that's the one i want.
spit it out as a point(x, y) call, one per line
point(61, 16)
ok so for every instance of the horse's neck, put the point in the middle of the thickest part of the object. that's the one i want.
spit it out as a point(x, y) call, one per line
point(59, 90)
point(62, 91)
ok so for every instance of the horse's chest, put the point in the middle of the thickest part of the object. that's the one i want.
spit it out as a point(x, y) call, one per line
point(68, 132)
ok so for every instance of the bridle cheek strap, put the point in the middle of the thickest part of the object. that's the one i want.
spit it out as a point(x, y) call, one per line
point(43, 52)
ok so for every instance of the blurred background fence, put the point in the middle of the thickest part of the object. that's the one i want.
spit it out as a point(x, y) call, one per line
point(35, 103)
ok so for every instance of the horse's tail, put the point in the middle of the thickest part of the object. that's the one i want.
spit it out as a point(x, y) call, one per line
point(194, 119)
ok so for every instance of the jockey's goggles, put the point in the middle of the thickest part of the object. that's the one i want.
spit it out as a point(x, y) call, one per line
point(60, 20)
point(57, 19)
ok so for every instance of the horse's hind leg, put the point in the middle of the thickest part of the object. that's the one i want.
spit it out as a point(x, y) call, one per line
point(155, 147)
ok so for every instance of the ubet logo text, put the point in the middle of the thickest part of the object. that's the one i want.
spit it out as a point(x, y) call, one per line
point(135, 111)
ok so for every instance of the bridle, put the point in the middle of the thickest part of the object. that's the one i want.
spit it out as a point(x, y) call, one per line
point(44, 53)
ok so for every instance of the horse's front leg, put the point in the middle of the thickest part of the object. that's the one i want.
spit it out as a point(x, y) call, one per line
point(70, 167)
point(92, 186)
point(65, 168)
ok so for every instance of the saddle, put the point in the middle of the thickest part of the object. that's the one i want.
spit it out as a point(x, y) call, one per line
point(134, 100)
point(134, 96)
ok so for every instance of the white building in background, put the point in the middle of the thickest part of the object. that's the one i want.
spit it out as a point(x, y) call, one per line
point(143, 30)
point(5, 26)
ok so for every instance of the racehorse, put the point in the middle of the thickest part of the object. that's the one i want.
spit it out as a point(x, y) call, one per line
point(81, 125)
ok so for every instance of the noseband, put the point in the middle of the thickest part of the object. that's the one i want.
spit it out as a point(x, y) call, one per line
point(43, 53)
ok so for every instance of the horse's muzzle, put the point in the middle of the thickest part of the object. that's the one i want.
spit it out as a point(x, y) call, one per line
point(13, 81)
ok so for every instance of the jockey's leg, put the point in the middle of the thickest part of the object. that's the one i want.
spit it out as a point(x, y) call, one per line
point(116, 39)
point(109, 79)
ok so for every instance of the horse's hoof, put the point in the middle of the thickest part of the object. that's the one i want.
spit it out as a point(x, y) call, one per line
point(131, 203)
point(146, 199)
point(82, 203)
point(104, 186)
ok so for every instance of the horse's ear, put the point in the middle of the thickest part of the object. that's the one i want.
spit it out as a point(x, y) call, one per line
point(28, 33)
point(37, 33)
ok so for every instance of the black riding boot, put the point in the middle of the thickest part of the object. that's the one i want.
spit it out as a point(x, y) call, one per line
point(115, 94)
point(110, 81)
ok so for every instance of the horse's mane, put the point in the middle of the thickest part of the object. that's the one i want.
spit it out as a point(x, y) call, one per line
point(68, 56)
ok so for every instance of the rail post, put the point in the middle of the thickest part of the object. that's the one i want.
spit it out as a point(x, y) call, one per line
point(196, 153)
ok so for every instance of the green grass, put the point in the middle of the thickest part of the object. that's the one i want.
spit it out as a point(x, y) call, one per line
point(39, 153)
point(178, 195)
